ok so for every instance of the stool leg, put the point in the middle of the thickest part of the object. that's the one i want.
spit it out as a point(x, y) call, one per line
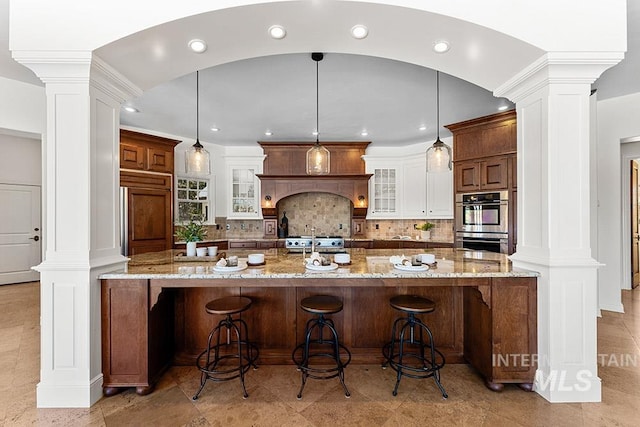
point(204, 376)
point(337, 357)
point(436, 372)
point(311, 324)
point(250, 348)
point(391, 346)
point(232, 326)
point(400, 355)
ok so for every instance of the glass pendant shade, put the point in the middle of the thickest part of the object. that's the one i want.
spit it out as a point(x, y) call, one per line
point(197, 160)
point(317, 156)
point(439, 157)
point(318, 160)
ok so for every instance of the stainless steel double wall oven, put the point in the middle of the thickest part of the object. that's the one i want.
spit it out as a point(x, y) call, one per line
point(482, 221)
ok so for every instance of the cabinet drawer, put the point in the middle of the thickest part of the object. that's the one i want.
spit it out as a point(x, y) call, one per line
point(243, 245)
point(268, 245)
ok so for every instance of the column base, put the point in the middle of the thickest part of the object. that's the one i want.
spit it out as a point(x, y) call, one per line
point(68, 395)
point(565, 386)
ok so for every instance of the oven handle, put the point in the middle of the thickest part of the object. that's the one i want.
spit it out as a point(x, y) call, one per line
point(501, 203)
point(473, 240)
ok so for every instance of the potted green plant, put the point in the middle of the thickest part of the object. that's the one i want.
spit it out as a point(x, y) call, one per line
point(191, 232)
point(425, 230)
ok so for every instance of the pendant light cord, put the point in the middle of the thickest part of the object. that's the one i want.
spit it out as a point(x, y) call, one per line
point(317, 105)
point(197, 107)
point(438, 105)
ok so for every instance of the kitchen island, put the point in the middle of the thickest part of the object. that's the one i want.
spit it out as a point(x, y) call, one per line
point(153, 313)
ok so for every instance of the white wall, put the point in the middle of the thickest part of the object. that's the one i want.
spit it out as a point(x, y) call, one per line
point(20, 160)
point(618, 119)
point(22, 107)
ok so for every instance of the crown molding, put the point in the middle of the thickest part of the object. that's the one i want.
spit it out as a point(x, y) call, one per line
point(557, 68)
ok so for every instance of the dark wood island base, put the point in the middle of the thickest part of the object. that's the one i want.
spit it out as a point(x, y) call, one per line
point(149, 324)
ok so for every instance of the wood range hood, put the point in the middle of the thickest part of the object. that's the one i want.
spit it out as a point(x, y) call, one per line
point(285, 174)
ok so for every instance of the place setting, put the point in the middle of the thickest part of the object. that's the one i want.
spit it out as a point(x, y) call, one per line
point(229, 265)
point(413, 264)
point(317, 262)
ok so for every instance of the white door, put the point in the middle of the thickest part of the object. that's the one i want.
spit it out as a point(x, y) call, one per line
point(19, 233)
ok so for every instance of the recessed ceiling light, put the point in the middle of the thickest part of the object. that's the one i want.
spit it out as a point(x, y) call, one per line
point(197, 45)
point(277, 32)
point(215, 129)
point(130, 109)
point(423, 127)
point(441, 46)
point(359, 31)
point(268, 133)
point(503, 107)
point(364, 133)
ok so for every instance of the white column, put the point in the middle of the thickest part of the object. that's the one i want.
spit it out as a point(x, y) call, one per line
point(81, 205)
point(552, 100)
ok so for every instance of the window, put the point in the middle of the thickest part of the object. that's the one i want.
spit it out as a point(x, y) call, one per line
point(192, 199)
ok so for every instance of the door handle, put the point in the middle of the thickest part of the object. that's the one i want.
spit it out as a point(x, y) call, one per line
point(36, 238)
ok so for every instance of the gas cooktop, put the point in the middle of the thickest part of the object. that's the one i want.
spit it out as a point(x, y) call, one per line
point(322, 243)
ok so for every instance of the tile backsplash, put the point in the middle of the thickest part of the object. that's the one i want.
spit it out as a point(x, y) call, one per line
point(330, 214)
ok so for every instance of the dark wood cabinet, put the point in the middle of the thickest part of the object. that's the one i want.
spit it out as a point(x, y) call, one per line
point(144, 152)
point(490, 322)
point(484, 153)
point(492, 173)
point(137, 340)
point(149, 226)
point(243, 244)
point(146, 171)
point(362, 244)
point(485, 159)
point(509, 336)
point(408, 244)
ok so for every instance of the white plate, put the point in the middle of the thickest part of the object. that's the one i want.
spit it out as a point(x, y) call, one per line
point(411, 267)
point(332, 266)
point(241, 266)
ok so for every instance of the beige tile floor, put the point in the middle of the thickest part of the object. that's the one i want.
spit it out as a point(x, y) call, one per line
point(272, 389)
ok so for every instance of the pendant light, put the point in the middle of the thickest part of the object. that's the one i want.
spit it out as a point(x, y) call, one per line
point(439, 154)
point(196, 157)
point(318, 156)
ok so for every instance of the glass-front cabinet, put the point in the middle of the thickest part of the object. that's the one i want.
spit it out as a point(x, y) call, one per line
point(383, 189)
point(244, 190)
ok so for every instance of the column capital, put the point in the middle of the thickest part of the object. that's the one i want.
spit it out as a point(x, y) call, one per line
point(78, 67)
point(558, 68)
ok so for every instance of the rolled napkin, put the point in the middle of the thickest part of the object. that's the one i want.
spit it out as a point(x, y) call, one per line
point(222, 262)
point(316, 261)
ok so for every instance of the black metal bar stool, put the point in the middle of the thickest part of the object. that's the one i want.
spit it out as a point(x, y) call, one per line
point(213, 361)
point(320, 347)
point(406, 352)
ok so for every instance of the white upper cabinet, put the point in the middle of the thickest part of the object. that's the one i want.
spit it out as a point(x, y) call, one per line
point(401, 188)
point(440, 195)
point(414, 188)
point(244, 189)
point(383, 189)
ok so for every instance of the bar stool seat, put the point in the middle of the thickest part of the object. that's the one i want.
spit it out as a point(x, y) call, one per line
point(213, 361)
point(406, 355)
point(321, 347)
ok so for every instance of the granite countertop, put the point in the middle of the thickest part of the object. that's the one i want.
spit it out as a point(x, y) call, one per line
point(279, 263)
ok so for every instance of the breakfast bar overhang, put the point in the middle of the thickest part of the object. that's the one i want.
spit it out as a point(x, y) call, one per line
point(153, 314)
